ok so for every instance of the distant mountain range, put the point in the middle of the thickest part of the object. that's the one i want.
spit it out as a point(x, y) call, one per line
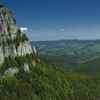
point(68, 53)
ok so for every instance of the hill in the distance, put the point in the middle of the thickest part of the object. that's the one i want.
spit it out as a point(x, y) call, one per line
point(68, 53)
point(91, 67)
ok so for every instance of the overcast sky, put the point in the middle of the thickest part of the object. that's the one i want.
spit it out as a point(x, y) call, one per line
point(57, 19)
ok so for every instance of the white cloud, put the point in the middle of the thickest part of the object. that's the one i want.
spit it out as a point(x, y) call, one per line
point(23, 29)
point(61, 30)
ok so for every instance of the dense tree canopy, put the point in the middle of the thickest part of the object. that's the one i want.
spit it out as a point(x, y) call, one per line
point(47, 82)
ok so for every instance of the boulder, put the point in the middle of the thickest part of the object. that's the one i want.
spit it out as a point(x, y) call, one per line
point(11, 72)
point(25, 67)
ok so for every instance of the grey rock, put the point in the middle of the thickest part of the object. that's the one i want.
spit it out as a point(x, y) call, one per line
point(1, 55)
point(8, 31)
point(10, 51)
point(11, 72)
point(24, 48)
point(25, 67)
point(34, 49)
point(7, 23)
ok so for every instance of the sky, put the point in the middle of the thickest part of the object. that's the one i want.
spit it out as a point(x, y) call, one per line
point(56, 19)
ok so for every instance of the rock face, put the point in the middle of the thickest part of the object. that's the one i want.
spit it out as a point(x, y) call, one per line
point(34, 49)
point(26, 67)
point(12, 42)
point(1, 55)
point(10, 51)
point(7, 23)
point(24, 48)
point(11, 72)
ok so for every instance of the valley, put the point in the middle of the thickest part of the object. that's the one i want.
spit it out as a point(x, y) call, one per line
point(68, 53)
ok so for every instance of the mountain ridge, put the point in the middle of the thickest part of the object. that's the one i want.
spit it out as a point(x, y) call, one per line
point(12, 41)
point(68, 52)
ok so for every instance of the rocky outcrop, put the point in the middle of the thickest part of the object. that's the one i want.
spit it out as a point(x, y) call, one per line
point(7, 24)
point(9, 34)
point(11, 72)
point(1, 55)
point(34, 49)
point(24, 48)
point(25, 67)
point(10, 51)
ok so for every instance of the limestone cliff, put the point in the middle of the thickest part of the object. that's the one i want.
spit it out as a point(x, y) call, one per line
point(12, 42)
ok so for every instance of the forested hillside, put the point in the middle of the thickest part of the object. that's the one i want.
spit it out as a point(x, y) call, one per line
point(48, 82)
point(68, 53)
point(90, 67)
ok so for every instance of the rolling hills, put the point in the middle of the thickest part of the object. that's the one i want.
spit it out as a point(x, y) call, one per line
point(91, 67)
point(68, 53)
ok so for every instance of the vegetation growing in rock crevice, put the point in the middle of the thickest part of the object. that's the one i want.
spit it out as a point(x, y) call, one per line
point(18, 62)
point(16, 41)
point(19, 38)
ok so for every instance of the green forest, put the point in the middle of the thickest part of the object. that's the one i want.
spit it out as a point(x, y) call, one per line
point(46, 81)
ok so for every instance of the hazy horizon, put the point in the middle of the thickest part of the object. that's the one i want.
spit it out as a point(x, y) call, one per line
point(65, 40)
